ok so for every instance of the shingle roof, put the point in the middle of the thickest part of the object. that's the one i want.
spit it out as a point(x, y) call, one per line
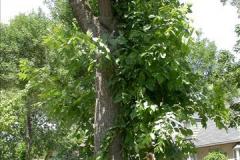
point(213, 136)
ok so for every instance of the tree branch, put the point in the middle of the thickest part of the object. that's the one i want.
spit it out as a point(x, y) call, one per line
point(103, 24)
point(106, 15)
point(85, 18)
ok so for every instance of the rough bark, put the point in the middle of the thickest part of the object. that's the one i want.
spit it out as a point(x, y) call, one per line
point(105, 113)
point(106, 110)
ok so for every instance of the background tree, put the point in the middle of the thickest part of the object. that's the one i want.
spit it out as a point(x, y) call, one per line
point(217, 69)
point(22, 39)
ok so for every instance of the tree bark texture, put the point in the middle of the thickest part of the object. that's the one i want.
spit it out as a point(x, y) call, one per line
point(106, 110)
point(105, 114)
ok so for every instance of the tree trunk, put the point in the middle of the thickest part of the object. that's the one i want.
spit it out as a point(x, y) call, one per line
point(28, 131)
point(105, 114)
point(105, 110)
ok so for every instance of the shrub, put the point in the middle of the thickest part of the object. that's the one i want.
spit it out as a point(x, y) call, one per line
point(216, 155)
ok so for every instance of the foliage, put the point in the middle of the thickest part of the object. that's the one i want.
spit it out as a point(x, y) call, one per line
point(29, 68)
point(20, 39)
point(60, 11)
point(153, 78)
point(22, 49)
point(72, 58)
point(160, 77)
point(11, 123)
point(157, 79)
point(219, 78)
point(216, 155)
point(65, 86)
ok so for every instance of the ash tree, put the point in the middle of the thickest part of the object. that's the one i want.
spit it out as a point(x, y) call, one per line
point(135, 62)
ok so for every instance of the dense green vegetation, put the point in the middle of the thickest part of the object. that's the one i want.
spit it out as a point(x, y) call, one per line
point(216, 155)
point(157, 73)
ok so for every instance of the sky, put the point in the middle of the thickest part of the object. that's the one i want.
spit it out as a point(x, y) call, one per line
point(10, 8)
point(217, 22)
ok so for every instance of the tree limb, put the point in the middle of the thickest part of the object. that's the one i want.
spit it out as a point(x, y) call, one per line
point(106, 15)
point(103, 24)
point(85, 18)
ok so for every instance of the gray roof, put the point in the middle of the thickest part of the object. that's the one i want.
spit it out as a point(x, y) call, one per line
point(214, 136)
